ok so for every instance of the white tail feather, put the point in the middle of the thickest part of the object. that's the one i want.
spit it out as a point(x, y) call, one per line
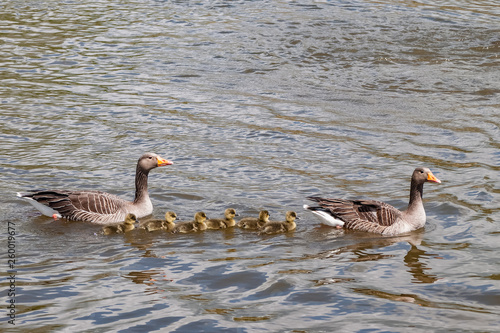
point(45, 210)
point(325, 217)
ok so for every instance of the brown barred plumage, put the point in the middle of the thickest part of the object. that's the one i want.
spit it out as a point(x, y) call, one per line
point(95, 206)
point(376, 216)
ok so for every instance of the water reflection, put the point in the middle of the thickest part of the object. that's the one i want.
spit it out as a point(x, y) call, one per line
point(393, 297)
point(143, 240)
point(417, 269)
point(144, 277)
point(411, 298)
point(363, 252)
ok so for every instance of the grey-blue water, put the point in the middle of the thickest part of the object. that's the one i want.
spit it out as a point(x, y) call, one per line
point(259, 104)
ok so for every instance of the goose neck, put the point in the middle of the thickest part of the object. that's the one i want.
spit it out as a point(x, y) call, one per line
point(141, 185)
point(416, 193)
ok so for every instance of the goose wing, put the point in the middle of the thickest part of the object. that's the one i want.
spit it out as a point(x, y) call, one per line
point(80, 205)
point(366, 215)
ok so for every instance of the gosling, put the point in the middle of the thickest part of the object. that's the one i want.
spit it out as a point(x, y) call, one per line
point(167, 224)
point(198, 224)
point(227, 222)
point(254, 223)
point(121, 228)
point(278, 227)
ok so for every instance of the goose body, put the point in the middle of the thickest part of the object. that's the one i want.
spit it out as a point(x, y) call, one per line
point(198, 224)
point(167, 224)
point(227, 222)
point(376, 216)
point(128, 225)
point(254, 223)
point(275, 227)
point(96, 206)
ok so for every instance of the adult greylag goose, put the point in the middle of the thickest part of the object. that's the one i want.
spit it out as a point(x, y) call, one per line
point(254, 223)
point(198, 224)
point(167, 224)
point(227, 222)
point(376, 216)
point(275, 227)
point(95, 206)
point(128, 225)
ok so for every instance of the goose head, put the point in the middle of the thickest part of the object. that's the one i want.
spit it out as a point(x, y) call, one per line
point(422, 175)
point(150, 161)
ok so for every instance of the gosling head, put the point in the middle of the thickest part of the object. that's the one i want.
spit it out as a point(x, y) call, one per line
point(291, 216)
point(170, 217)
point(200, 217)
point(230, 213)
point(264, 216)
point(130, 219)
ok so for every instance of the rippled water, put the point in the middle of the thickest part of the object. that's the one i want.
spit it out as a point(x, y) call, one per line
point(259, 104)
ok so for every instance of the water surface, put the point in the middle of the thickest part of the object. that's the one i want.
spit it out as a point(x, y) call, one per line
point(259, 104)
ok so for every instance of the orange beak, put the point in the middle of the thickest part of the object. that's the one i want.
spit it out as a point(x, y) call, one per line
point(163, 162)
point(432, 178)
